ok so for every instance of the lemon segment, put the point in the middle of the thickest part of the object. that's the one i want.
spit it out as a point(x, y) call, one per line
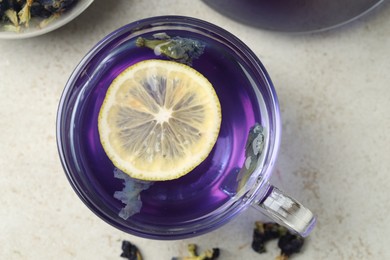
point(159, 120)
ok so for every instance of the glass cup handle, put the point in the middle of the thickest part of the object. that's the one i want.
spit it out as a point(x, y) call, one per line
point(286, 211)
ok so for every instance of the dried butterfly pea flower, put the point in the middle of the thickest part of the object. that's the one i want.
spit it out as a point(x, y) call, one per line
point(12, 16)
point(24, 14)
point(15, 5)
point(130, 251)
point(130, 194)
point(38, 10)
point(253, 150)
point(15, 13)
point(57, 6)
point(265, 232)
point(180, 49)
point(2, 9)
point(289, 244)
point(209, 254)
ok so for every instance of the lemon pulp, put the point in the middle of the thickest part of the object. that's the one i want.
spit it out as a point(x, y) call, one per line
point(159, 120)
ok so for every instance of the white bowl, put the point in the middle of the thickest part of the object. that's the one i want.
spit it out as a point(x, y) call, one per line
point(34, 30)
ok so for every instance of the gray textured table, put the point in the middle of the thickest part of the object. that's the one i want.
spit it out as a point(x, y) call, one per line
point(334, 91)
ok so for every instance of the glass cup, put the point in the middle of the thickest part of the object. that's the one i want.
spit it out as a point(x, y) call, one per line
point(296, 16)
point(235, 175)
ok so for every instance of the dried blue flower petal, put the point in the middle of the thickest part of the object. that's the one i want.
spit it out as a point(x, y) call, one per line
point(253, 150)
point(183, 50)
point(130, 194)
point(3, 7)
point(14, 4)
point(210, 254)
point(38, 10)
point(15, 13)
point(130, 251)
point(289, 244)
point(56, 6)
point(265, 232)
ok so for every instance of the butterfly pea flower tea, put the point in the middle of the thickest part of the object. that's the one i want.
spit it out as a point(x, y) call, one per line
point(169, 127)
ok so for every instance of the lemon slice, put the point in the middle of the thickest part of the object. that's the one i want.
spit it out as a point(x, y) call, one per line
point(159, 120)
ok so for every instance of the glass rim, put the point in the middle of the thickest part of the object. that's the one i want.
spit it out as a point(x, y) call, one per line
point(226, 211)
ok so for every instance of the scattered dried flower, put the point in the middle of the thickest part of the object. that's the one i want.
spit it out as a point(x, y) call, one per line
point(265, 232)
point(209, 254)
point(130, 251)
point(288, 243)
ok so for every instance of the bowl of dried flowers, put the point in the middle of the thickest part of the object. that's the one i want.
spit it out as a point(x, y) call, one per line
point(28, 18)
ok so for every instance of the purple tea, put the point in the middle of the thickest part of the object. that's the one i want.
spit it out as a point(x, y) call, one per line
point(207, 186)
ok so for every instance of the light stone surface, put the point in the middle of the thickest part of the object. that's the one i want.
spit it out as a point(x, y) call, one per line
point(334, 92)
